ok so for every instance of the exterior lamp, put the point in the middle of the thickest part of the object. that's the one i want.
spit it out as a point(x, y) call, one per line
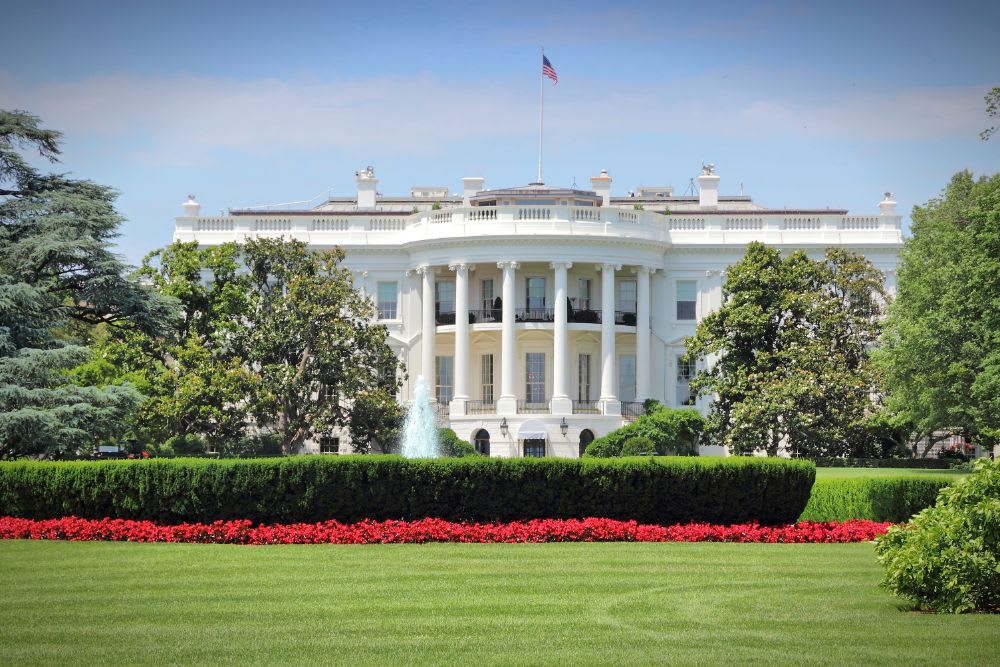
point(563, 426)
point(503, 426)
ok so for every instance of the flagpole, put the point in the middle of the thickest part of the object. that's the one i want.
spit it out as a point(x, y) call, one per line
point(541, 113)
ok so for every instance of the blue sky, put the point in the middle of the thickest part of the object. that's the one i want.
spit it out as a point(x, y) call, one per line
point(805, 104)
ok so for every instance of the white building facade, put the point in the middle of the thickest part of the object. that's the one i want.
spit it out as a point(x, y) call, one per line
point(542, 317)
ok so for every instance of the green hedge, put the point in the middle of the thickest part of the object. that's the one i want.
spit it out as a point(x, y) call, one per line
point(351, 488)
point(878, 499)
point(837, 462)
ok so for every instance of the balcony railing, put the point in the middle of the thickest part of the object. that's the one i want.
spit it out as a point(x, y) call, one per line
point(529, 407)
point(632, 410)
point(534, 315)
point(623, 317)
point(480, 407)
point(494, 315)
point(585, 408)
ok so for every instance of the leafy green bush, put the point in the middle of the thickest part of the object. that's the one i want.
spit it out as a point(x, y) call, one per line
point(352, 488)
point(947, 559)
point(638, 445)
point(670, 432)
point(877, 499)
point(453, 446)
point(848, 462)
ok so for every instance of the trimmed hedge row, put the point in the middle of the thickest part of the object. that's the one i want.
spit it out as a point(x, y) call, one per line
point(352, 488)
point(837, 462)
point(893, 499)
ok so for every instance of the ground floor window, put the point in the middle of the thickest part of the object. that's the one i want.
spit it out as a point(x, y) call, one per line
point(329, 445)
point(535, 386)
point(685, 372)
point(626, 377)
point(534, 447)
point(482, 442)
point(586, 437)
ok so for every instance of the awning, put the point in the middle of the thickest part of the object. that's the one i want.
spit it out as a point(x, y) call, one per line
point(532, 430)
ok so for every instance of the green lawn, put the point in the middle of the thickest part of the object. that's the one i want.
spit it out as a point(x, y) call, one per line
point(847, 473)
point(72, 603)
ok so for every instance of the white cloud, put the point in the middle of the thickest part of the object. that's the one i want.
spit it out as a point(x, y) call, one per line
point(186, 120)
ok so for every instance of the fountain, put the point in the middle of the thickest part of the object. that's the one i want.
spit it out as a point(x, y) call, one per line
point(420, 437)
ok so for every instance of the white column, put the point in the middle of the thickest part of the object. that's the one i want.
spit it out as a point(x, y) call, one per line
point(609, 391)
point(642, 360)
point(457, 406)
point(428, 326)
point(561, 402)
point(507, 403)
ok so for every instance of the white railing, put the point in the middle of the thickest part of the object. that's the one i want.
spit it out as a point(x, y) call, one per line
point(854, 222)
point(686, 224)
point(534, 213)
point(743, 224)
point(272, 225)
point(800, 224)
point(214, 225)
point(387, 224)
point(330, 224)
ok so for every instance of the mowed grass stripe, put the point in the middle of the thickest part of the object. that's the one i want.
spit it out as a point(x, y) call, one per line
point(466, 604)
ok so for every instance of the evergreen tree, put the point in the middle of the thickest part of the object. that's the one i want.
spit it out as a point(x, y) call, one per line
point(58, 277)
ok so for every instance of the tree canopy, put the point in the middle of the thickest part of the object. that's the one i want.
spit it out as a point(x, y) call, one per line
point(941, 349)
point(59, 276)
point(786, 355)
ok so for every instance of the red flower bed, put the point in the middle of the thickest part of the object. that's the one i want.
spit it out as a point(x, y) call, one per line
point(430, 530)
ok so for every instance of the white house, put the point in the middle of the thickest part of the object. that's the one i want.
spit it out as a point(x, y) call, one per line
point(543, 316)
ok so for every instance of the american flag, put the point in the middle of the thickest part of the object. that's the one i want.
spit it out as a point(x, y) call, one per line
point(549, 71)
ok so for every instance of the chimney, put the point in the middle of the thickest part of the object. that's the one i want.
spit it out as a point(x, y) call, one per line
point(601, 185)
point(708, 187)
point(471, 186)
point(888, 205)
point(192, 209)
point(367, 184)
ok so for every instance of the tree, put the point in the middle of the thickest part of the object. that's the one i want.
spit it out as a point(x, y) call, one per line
point(941, 349)
point(58, 278)
point(992, 111)
point(787, 353)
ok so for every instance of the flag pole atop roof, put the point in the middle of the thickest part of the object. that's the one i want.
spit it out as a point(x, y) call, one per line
point(547, 71)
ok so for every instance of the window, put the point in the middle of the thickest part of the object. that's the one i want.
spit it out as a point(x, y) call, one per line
point(685, 371)
point(387, 299)
point(583, 302)
point(486, 291)
point(687, 295)
point(444, 293)
point(626, 377)
point(388, 379)
point(535, 386)
point(329, 445)
point(627, 296)
point(586, 437)
point(482, 442)
point(536, 292)
point(534, 447)
point(583, 378)
point(444, 371)
point(487, 377)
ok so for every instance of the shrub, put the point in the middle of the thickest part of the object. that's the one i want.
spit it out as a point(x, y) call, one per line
point(947, 559)
point(876, 499)
point(670, 432)
point(638, 445)
point(848, 462)
point(352, 488)
point(453, 446)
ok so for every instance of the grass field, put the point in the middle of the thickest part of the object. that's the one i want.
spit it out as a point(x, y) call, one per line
point(572, 604)
point(851, 473)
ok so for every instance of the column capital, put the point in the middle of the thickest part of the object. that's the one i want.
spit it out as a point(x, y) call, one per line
point(461, 266)
point(560, 265)
point(423, 268)
point(608, 266)
point(508, 265)
point(642, 268)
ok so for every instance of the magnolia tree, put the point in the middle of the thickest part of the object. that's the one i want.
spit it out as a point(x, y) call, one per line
point(788, 351)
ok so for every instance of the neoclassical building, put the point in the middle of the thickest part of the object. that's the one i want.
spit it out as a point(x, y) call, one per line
point(541, 316)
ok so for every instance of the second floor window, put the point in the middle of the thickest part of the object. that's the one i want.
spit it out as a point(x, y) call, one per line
point(486, 291)
point(583, 301)
point(487, 377)
point(444, 370)
point(685, 372)
point(536, 292)
point(387, 301)
point(445, 297)
point(627, 296)
point(583, 386)
point(626, 377)
point(687, 295)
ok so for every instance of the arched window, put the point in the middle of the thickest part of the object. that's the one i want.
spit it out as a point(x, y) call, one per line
point(586, 437)
point(482, 442)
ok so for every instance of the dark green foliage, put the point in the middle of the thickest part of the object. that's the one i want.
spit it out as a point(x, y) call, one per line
point(352, 488)
point(638, 445)
point(59, 276)
point(837, 462)
point(947, 559)
point(453, 446)
point(671, 432)
point(877, 499)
